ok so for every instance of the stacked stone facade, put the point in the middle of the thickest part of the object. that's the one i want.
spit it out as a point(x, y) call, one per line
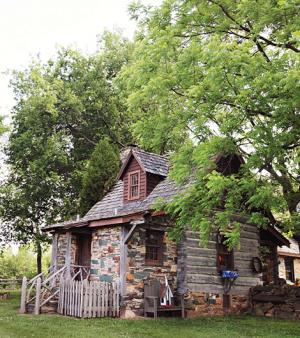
point(137, 271)
point(210, 304)
point(105, 250)
point(282, 301)
point(62, 245)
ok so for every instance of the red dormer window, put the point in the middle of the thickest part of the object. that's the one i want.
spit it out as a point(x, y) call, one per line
point(134, 185)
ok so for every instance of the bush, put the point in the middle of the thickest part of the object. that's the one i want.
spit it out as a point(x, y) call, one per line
point(22, 263)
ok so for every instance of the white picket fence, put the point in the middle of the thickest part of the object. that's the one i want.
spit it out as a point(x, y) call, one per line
point(89, 299)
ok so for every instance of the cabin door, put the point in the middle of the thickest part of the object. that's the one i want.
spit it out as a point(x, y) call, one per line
point(83, 252)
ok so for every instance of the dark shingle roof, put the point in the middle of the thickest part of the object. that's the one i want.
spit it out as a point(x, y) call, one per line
point(67, 224)
point(152, 163)
point(108, 205)
point(112, 205)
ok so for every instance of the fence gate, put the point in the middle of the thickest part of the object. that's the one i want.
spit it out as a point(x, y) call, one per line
point(88, 299)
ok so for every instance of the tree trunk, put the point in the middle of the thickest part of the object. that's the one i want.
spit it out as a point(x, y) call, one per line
point(39, 257)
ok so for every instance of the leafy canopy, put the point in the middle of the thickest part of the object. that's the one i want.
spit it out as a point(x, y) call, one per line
point(67, 117)
point(215, 77)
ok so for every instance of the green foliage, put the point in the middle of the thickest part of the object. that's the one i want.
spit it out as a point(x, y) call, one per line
point(22, 263)
point(222, 77)
point(2, 127)
point(100, 174)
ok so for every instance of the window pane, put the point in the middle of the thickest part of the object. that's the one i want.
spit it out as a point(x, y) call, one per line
point(154, 246)
point(134, 179)
point(134, 185)
point(289, 269)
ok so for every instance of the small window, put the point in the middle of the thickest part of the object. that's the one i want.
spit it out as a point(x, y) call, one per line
point(224, 256)
point(154, 247)
point(289, 269)
point(134, 189)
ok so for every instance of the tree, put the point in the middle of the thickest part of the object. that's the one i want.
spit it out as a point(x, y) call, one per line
point(19, 264)
point(99, 176)
point(225, 74)
point(2, 128)
point(64, 108)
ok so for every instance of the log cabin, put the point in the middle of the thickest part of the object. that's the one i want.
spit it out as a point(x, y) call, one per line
point(123, 238)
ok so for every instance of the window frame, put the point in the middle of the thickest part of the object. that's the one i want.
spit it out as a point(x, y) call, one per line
point(159, 246)
point(130, 174)
point(222, 250)
point(287, 261)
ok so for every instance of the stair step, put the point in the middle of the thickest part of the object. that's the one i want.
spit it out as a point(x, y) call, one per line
point(50, 307)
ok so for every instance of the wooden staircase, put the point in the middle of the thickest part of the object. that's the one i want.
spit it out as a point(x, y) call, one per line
point(41, 293)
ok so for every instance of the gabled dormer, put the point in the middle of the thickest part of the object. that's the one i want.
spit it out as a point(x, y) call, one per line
point(141, 172)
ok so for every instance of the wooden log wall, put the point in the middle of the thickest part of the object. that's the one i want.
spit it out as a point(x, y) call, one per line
point(197, 270)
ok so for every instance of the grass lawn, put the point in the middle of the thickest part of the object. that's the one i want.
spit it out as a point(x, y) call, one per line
point(54, 326)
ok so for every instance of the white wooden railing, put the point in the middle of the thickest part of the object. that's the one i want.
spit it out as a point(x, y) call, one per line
point(44, 287)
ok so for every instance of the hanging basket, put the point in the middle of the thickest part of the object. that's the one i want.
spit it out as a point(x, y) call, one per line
point(229, 277)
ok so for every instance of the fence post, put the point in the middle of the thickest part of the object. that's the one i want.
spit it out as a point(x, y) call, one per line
point(85, 298)
point(23, 296)
point(37, 296)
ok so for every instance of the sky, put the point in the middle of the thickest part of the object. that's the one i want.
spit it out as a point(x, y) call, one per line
point(37, 27)
point(31, 28)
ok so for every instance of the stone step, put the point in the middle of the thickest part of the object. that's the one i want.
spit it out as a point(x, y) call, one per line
point(50, 307)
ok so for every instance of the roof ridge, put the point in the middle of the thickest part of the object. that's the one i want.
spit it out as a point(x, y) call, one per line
point(165, 157)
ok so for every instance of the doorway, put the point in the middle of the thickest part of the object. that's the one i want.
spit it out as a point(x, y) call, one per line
point(83, 252)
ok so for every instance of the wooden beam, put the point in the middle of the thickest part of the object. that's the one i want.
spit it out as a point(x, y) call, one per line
point(132, 229)
point(288, 254)
point(116, 220)
point(54, 252)
point(68, 254)
point(23, 296)
point(37, 296)
point(123, 258)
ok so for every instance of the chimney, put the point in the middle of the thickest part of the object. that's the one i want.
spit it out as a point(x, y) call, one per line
point(125, 151)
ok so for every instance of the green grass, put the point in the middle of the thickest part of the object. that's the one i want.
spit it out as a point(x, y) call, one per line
point(15, 325)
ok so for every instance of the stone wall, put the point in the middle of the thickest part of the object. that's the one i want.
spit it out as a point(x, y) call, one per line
point(105, 259)
point(61, 248)
point(62, 243)
point(137, 271)
point(282, 301)
point(210, 304)
point(73, 249)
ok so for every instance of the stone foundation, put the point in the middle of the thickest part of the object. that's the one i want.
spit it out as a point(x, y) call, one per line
point(282, 301)
point(208, 304)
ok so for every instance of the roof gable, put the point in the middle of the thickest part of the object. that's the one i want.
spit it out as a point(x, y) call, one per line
point(149, 162)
